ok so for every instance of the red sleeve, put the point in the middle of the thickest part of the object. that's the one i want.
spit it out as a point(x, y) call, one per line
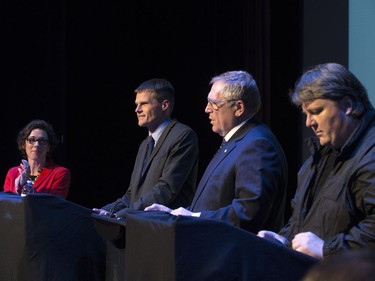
point(10, 178)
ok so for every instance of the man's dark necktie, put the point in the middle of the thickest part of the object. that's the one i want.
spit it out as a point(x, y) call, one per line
point(150, 147)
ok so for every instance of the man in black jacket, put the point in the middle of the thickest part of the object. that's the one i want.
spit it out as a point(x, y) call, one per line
point(334, 205)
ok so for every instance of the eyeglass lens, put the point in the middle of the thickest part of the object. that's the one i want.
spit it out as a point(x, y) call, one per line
point(41, 141)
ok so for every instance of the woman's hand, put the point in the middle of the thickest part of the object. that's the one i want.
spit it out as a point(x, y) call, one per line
point(24, 171)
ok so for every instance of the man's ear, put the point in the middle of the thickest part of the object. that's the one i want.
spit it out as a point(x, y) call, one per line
point(239, 108)
point(165, 105)
point(348, 105)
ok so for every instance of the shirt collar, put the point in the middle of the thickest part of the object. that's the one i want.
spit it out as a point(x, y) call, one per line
point(234, 130)
point(159, 130)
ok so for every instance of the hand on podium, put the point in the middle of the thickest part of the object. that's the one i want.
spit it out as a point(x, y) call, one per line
point(272, 236)
point(101, 212)
point(309, 244)
point(158, 207)
point(108, 214)
point(176, 212)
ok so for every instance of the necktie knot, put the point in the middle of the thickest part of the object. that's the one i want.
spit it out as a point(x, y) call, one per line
point(223, 143)
point(150, 144)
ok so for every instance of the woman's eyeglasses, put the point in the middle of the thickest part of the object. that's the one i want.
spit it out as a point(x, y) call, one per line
point(41, 141)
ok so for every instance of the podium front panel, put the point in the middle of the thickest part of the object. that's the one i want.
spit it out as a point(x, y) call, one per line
point(163, 247)
point(44, 237)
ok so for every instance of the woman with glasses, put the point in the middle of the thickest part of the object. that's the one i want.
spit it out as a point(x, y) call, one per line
point(36, 143)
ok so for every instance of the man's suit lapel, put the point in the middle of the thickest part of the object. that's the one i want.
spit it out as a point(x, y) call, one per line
point(139, 161)
point(220, 156)
point(159, 143)
point(215, 161)
point(162, 138)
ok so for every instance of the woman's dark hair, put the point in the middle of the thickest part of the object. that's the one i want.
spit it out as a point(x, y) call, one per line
point(37, 124)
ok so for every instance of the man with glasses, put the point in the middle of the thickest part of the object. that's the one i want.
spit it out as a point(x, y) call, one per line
point(245, 182)
point(166, 165)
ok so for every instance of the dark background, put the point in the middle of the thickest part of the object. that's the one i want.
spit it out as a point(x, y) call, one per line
point(76, 65)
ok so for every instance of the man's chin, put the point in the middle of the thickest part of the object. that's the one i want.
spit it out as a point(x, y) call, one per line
point(219, 132)
point(325, 143)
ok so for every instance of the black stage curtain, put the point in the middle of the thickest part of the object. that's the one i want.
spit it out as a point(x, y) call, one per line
point(76, 64)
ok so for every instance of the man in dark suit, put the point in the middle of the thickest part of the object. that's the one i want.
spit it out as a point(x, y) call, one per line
point(165, 168)
point(245, 182)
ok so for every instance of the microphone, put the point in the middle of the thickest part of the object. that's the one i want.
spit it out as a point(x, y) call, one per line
point(111, 212)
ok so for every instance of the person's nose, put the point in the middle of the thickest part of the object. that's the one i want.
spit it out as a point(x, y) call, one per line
point(208, 108)
point(138, 109)
point(310, 121)
point(36, 143)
